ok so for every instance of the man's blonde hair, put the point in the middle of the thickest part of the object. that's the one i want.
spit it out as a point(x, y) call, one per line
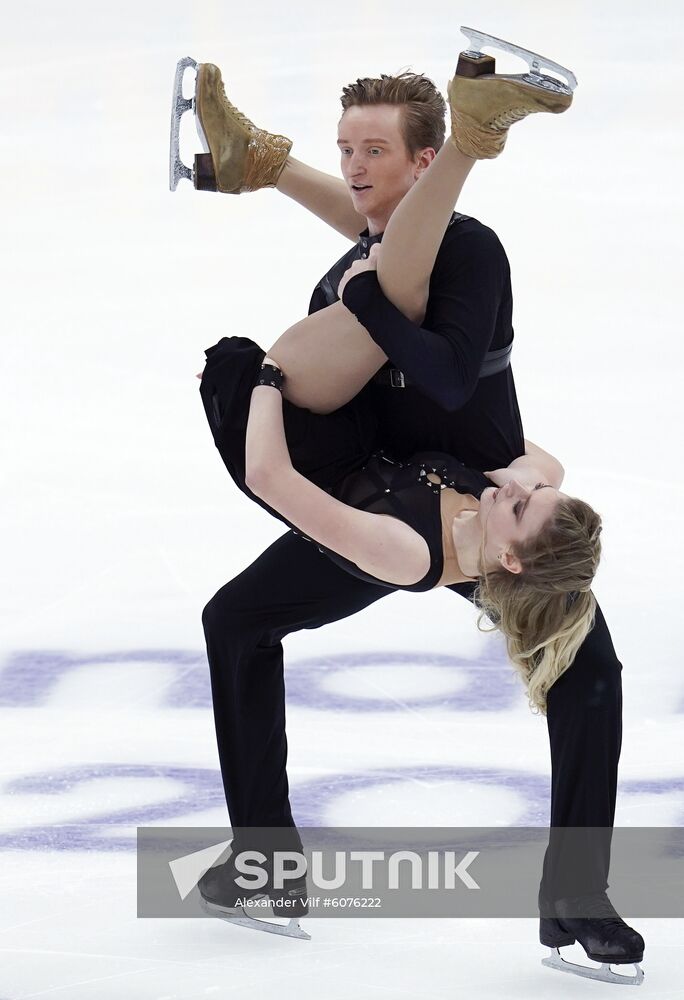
point(423, 107)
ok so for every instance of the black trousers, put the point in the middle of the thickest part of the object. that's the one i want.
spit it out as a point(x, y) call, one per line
point(292, 586)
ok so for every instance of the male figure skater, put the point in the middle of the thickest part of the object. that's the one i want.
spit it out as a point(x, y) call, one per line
point(448, 387)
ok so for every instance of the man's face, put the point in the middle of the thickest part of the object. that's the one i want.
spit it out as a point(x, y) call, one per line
point(374, 155)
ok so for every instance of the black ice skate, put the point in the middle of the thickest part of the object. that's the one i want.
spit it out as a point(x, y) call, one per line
point(603, 934)
point(221, 898)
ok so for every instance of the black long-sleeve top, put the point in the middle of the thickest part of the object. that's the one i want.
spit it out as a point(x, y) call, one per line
point(469, 312)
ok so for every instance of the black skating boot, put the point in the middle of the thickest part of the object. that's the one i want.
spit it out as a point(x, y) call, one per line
point(603, 934)
point(218, 888)
point(223, 898)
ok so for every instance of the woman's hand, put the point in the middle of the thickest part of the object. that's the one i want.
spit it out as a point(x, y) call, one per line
point(369, 263)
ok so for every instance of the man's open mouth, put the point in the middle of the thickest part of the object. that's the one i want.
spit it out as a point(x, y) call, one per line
point(361, 187)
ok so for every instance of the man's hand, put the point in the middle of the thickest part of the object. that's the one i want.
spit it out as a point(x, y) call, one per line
point(535, 465)
point(501, 476)
point(522, 470)
point(369, 263)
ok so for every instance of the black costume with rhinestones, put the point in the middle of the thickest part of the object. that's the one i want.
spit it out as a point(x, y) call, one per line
point(404, 490)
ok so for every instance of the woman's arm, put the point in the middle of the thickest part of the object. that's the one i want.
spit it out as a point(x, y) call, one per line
point(326, 196)
point(535, 465)
point(381, 546)
point(266, 451)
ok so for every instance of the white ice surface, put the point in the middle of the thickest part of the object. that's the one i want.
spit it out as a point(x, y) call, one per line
point(119, 522)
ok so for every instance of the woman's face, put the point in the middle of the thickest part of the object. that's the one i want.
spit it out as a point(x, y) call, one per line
point(513, 513)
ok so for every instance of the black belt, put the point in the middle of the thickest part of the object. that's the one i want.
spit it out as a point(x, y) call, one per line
point(493, 363)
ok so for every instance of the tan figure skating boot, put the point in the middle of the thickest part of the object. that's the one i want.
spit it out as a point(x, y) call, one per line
point(484, 105)
point(238, 156)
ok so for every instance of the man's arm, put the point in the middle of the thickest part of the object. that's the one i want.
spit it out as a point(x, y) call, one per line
point(530, 467)
point(326, 196)
point(466, 291)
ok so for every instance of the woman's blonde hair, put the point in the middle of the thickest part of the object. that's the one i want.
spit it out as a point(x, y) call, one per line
point(546, 611)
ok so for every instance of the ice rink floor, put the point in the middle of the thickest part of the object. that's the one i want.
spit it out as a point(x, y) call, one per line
point(119, 522)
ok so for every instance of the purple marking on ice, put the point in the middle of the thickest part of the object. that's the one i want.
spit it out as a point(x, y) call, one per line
point(310, 802)
point(28, 678)
point(659, 786)
point(491, 685)
point(640, 786)
point(201, 790)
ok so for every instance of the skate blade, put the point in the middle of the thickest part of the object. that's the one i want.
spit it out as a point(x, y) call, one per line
point(536, 63)
point(605, 974)
point(238, 916)
point(179, 105)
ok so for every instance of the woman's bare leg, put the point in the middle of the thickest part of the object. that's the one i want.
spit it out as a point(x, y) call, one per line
point(416, 229)
point(329, 356)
